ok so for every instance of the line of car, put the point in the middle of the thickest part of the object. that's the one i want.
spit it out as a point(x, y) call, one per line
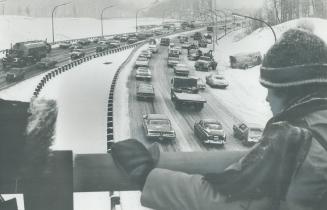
point(208, 131)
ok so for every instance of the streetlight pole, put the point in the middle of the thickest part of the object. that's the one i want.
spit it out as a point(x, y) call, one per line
point(102, 17)
point(139, 10)
point(3, 7)
point(252, 18)
point(222, 11)
point(53, 10)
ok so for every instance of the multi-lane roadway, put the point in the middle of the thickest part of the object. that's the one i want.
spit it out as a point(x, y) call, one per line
point(182, 120)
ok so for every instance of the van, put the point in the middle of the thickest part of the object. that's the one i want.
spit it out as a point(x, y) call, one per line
point(245, 60)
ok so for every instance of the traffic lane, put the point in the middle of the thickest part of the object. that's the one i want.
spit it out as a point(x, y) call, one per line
point(215, 109)
point(182, 121)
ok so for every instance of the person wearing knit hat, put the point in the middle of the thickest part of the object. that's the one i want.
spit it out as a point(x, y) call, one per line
point(287, 169)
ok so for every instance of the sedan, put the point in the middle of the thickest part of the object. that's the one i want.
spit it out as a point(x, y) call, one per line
point(145, 91)
point(216, 81)
point(143, 73)
point(210, 131)
point(158, 126)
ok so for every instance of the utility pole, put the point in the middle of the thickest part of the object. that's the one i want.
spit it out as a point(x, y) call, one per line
point(101, 16)
point(52, 14)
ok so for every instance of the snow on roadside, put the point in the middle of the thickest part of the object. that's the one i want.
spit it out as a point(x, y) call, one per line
point(245, 97)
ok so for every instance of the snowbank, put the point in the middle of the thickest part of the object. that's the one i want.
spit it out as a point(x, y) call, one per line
point(245, 97)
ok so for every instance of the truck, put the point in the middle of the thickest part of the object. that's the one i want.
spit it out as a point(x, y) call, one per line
point(26, 53)
point(205, 63)
point(164, 41)
point(185, 92)
point(153, 46)
point(245, 60)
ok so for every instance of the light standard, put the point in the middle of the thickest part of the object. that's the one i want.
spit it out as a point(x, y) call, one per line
point(252, 18)
point(3, 6)
point(102, 17)
point(139, 10)
point(222, 11)
point(53, 10)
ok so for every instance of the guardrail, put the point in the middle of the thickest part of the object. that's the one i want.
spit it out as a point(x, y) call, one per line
point(59, 70)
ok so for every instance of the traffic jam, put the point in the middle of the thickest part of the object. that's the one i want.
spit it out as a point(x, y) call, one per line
point(187, 63)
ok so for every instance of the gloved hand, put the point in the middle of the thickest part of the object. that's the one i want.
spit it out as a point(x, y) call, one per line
point(132, 156)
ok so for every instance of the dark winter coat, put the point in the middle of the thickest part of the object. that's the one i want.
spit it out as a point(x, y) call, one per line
point(287, 170)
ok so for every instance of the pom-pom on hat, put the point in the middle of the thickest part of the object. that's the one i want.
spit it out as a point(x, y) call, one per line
point(298, 58)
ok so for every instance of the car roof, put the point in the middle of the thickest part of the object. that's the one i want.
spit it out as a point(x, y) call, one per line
point(211, 121)
point(157, 117)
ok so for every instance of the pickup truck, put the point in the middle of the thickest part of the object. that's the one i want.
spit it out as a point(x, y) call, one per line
point(185, 92)
point(205, 64)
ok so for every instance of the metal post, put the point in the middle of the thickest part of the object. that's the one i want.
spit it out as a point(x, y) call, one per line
point(252, 18)
point(3, 6)
point(101, 17)
point(52, 14)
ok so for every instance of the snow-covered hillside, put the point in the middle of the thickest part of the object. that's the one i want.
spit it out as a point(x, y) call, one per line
point(248, 80)
point(19, 28)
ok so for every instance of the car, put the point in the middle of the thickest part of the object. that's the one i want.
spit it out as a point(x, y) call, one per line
point(203, 43)
point(145, 91)
point(194, 54)
point(164, 41)
point(173, 60)
point(200, 83)
point(143, 73)
point(15, 75)
point(183, 39)
point(45, 64)
point(153, 46)
point(248, 134)
point(217, 81)
point(197, 36)
point(158, 126)
point(141, 61)
point(179, 49)
point(64, 45)
point(245, 60)
point(210, 131)
point(205, 63)
point(132, 40)
point(84, 42)
point(75, 47)
point(190, 45)
point(101, 48)
point(146, 53)
point(77, 54)
point(181, 69)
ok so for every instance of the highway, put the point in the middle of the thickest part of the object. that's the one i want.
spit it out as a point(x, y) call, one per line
point(183, 120)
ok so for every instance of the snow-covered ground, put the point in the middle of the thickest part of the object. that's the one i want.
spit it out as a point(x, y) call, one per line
point(19, 28)
point(261, 40)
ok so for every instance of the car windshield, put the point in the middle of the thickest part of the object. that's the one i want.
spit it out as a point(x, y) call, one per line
point(218, 77)
point(205, 58)
point(159, 122)
point(255, 132)
point(142, 59)
point(174, 58)
point(213, 126)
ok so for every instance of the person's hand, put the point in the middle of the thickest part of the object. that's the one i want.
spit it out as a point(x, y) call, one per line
point(132, 156)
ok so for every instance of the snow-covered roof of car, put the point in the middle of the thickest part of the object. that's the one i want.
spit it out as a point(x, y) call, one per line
point(211, 121)
point(157, 116)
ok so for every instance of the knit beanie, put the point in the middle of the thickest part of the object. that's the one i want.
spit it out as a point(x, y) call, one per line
point(298, 58)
